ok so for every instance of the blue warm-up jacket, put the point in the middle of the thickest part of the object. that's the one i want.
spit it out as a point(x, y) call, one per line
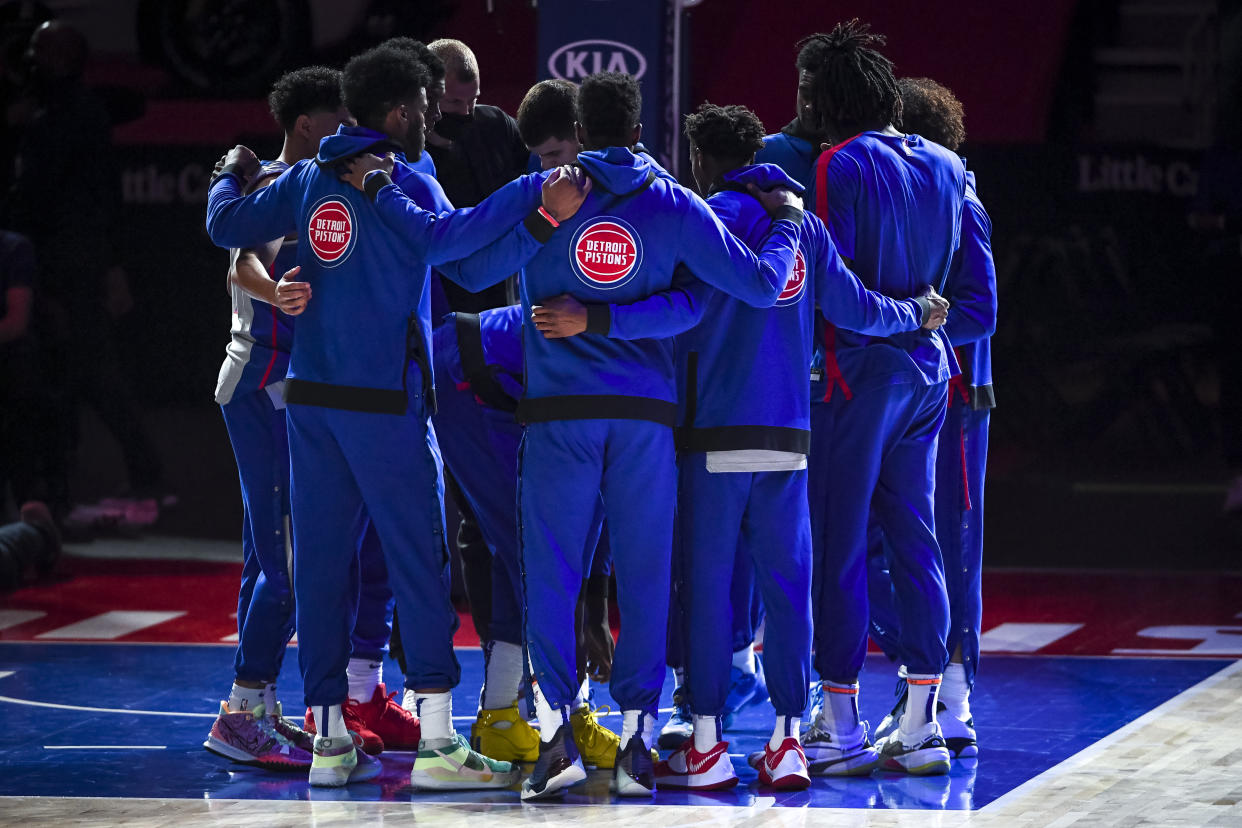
point(971, 291)
point(370, 314)
point(742, 370)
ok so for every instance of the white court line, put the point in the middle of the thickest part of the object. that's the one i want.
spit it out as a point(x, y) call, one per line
point(112, 624)
point(6, 673)
point(105, 747)
point(14, 617)
point(1088, 753)
point(1023, 638)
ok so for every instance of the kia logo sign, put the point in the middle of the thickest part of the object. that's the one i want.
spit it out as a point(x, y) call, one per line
point(574, 61)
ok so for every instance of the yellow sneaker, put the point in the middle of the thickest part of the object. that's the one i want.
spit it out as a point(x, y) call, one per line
point(504, 735)
point(597, 744)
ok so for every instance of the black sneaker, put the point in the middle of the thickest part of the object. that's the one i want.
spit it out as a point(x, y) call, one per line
point(559, 766)
point(634, 773)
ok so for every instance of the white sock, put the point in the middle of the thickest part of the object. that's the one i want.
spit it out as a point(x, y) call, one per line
point(744, 659)
point(636, 723)
point(329, 722)
point(583, 699)
point(839, 713)
point(550, 718)
point(245, 698)
point(920, 701)
point(408, 700)
point(707, 733)
point(435, 714)
point(364, 676)
point(502, 675)
point(955, 693)
point(269, 699)
point(786, 727)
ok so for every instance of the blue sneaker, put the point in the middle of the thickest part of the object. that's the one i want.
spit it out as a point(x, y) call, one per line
point(744, 689)
point(680, 725)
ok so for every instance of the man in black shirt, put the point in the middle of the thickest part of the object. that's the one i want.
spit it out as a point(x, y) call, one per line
point(477, 150)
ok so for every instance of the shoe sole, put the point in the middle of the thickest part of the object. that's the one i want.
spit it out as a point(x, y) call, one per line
point(843, 767)
point(630, 786)
point(670, 783)
point(557, 785)
point(332, 777)
point(239, 756)
point(420, 780)
point(929, 762)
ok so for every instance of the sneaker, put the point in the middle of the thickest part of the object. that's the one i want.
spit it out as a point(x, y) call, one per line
point(337, 762)
point(785, 768)
point(828, 755)
point(503, 734)
point(559, 766)
point(680, 725)
point(248, 737)
point(888, 725)
point(688, 769)
point(396, 727)
point(744, 689)
point(289, 729)
point(634, 770)
point(371, 743)
point(959, 736)
point(922, 754)
point(453, 766)
point(597, 744)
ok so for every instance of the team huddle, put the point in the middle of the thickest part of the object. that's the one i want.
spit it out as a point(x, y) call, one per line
point(749, 407)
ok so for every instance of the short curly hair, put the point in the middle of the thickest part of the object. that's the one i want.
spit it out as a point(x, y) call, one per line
point(609, 107)
point(548, 111)
point(378, 79)
point(730, 133)
point(933, 111)
point(302, 92)
point(421, 51)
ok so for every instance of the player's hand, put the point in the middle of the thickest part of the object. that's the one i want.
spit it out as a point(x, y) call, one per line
point(559, 317)
point(564, 191)
point(291, 296)
point(939, 310)
point(776, 198)
point(360, 166)
point(247, 164)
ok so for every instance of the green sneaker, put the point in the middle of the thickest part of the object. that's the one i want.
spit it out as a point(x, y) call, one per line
point(452, 766)
point(335, 763)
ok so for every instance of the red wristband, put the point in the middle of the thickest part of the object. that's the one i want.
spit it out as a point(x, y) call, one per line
point(548, 216)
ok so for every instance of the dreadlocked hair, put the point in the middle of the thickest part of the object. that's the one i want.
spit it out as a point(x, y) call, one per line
point(730, 133)
point(853, 87)
point(931, 110)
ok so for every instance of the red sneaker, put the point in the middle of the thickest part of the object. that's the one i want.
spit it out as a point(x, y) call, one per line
point(785, 768)
point(372, 744)
point(688, 770)
point(384, 716)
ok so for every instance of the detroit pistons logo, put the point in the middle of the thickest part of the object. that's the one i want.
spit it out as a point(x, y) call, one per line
point(331, 230)
point(606, 253)
point(795, 285)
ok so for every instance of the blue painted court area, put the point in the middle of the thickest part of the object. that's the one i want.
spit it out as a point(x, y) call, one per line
point(1032, 712)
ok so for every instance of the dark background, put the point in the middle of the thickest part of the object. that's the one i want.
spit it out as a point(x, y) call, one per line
point(1087, 124)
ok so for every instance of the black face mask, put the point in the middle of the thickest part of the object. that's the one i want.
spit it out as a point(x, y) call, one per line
point(453, 125)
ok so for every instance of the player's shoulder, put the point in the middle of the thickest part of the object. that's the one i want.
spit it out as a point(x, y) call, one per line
point(424, 189)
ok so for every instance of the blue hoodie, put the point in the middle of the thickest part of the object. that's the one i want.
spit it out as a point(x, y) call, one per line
point(742, 370)
point(971, 291)
point(483, 350)
point(370, 315)
point(893, 204)
point(793, 154)
point(625, 242)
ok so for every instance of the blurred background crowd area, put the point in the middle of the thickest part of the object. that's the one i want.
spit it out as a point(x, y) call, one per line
point(1106, 137)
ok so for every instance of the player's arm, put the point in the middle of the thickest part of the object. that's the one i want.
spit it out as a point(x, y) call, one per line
point(503, 257)
point(972, 280)
point(237, 220)
point(436, 239)
point(847, 303)
point(720, 259)
point(657, 316)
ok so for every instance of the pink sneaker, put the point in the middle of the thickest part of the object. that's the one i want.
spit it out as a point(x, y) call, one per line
point(250, 737)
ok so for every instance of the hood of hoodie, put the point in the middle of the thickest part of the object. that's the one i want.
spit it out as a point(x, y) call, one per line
point(349, 141)
point(616, 169)
point(764, 176)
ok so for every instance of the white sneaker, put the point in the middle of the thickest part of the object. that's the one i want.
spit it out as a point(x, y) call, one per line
point(689, 770)
point(959, 736)
point(848, 755)
point(922, 753)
